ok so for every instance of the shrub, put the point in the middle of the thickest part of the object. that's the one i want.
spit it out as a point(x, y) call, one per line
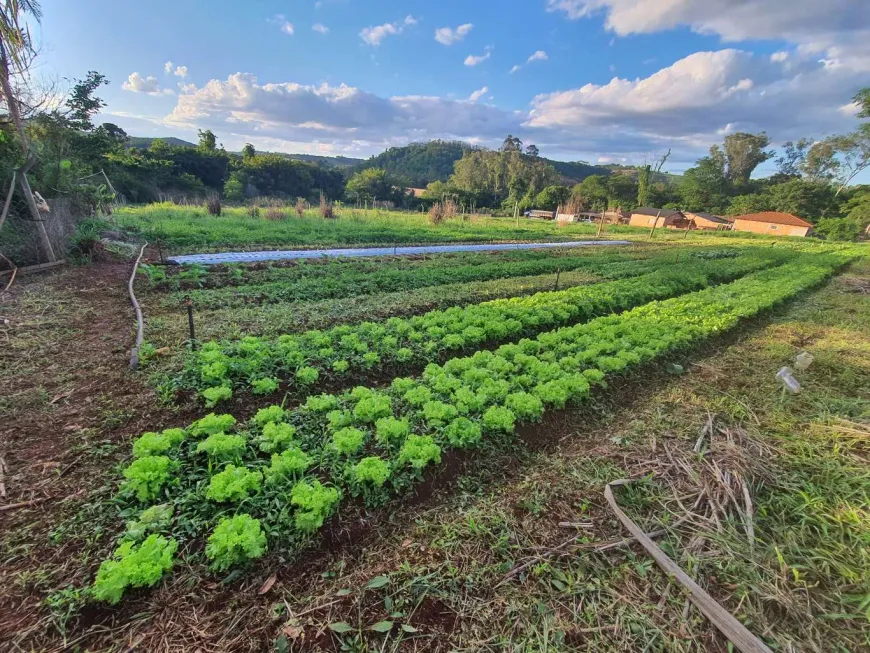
point(372, 470)
point(315, 503)
point(436, 213)
point(221, 446)
point(134, 566)
point(215, 395)
point(300, 207)
point(235, 540)
point(419, 451)
point(253, 211)
point(146, 476)
point(211, 424)
point(326, 210)
point(233, 484)
point(288, 463)
point(276, 436)
point(154, 444)
point(213, 204)
point(275, 214)
point(462, 432)
point(348, 441)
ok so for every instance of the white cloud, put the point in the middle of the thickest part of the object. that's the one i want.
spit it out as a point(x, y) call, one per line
point(474, 97)
point(180, 71)
point(167, 67)
point(838, 28)
point(320, 28)
point(540, 55)
point(516, 68)
point(374, 36)
point(449, 36)
point(283, 24)
point(474, 60)
point(138, 84)
point(778, 57)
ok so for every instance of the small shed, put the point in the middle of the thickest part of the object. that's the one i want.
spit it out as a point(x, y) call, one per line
point(773, 223)
point(708, 221)
point(647, 217)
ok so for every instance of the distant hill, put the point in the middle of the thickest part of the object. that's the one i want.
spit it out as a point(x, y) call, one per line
point(144, 142)
point(327, 161)
point(419, 164)
point(577, 171)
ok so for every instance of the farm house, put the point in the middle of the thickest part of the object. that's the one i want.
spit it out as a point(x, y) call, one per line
point(772, 223)
point(708, 221)
point(647, 217)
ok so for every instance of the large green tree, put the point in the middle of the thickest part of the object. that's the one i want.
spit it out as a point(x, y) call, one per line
point(744, 152)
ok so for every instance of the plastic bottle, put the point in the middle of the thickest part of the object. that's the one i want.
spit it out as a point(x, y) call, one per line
point(791, 384)
point(803, 361)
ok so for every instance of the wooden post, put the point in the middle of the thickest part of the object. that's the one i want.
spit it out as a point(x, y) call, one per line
point(688, 226)
point(600, 225)
point(40, 223)
point(558, 272)
point(517, 212)
point(655, 224)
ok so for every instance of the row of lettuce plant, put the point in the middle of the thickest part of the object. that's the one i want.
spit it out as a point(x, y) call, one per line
point(392, 277)
point(301, 362)
point(275, 480)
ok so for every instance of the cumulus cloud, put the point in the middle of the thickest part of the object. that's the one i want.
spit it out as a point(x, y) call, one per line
point(474, 60)
point(515, 69)
point(320, 28)
point(449, 36)
point(474, 97)
point(167, 67)
point(283, 24)
point(374, 36)
point(540, 55)
point(838, 28)
point(180, 71)
point(137, 84)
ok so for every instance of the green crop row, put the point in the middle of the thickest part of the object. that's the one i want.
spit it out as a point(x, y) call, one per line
point(279, 477)
point(300, 362)
point(348, 282)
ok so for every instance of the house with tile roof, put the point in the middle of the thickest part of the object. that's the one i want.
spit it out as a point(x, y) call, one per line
point(647, 217)
point(772, 223)
point(708, 221)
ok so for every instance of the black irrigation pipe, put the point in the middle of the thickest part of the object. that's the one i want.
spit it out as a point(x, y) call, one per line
point(140, 321)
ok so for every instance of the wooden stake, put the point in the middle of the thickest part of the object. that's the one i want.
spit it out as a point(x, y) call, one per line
point(655, 224)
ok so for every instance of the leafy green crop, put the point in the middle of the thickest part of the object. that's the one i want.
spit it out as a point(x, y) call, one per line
point(372, 470)
point(213, 396)
point(526, 406)
point(154, 519)
point(419, 451)
point(373, 408)
point(233, 484)
point(221, 446)
point(211, 424)
point(462, 433)
point(269, 414)
point(286, 465)
point(315, 503)
point(391, 429)
point(155, 444)
point(348, 441)
point(499, 418)
point(235, 540)
point(264, 386)
point(134, 566)
point(146, 476)
point(277, 437)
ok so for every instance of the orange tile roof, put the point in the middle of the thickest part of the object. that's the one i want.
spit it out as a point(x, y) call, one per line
point(774, 217)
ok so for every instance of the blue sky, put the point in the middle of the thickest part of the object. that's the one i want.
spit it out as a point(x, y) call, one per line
point(595, 80)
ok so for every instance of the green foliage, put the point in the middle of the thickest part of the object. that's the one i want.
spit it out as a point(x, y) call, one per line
point(372, 470)
point(438, 413)
point(419, 451)
point(155, 444)
point(552, 197)
point(221, 446)
point(307, 376)
point(154, 519)
point(269, 414)
point(462, 433)
point(391, 429)
point(315, 502)
point(348, 441)
point(499, 418)
point(287, 464)
point(235, 540)
point(372, 408)
point(370, 184)
point(234, 484)
point(211, 424)
point(134, 566)
point(322, 403)
point(525, 406)
point(146, 476)
point(276, 436)
point(264, 386)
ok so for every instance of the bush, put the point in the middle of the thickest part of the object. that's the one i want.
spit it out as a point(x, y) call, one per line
point(326, 210)
point(213, 204)
point(235, 540)
point(253, 211)
point(436, 213)
point(300, 207)
point(275, 214)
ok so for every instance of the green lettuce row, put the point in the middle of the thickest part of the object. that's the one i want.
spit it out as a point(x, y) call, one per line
point(298, 465)
point(304, 360)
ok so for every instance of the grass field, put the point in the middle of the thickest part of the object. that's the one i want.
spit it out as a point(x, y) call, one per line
point(409, 453)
